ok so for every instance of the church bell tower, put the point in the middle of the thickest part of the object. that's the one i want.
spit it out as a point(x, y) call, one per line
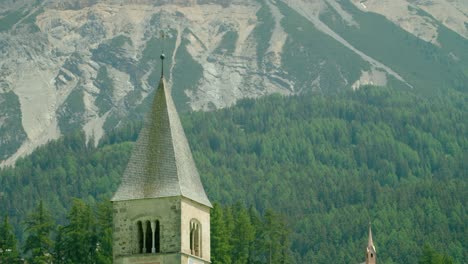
point(161, 211)
point(371, 255)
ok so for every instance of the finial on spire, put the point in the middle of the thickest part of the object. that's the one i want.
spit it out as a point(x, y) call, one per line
point(162, 64)
point(163, 36)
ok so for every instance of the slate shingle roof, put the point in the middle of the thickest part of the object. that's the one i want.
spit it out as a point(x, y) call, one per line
point(161, 163)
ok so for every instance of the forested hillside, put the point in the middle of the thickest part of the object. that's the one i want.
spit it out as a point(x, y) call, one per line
point(328, 164)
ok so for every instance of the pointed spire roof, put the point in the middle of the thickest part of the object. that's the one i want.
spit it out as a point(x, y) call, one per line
point(370, 243)
point(161, 163)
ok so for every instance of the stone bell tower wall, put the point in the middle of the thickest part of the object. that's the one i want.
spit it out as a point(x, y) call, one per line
point(126, 215)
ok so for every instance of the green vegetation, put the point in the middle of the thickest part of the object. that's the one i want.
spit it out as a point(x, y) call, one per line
point(424, 65)
point(227, 46)
point(38, 244)
point(112, 53)
point(81, 239)
point(327, 163)
point(186, 75)
point(238, 235)
point(431, 256)
point(72, 63)
point(31, 20)
point(10, 19)
point(310, 54)
point(106, 87)
point(335, 162)
point(152, 51)
point(8, 250)
point(11, 128)
point(263, 32)
point(71, 113)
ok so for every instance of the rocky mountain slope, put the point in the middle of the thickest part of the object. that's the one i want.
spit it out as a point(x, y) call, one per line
point(68, 65)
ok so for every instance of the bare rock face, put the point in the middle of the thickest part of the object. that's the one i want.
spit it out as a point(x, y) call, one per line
point(90, 64)
point(421, 18)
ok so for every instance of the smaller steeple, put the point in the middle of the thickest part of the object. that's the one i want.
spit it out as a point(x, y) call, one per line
point(370, 243)
point(370, 251)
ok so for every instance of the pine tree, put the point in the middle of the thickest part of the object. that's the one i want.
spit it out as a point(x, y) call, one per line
point(275, 239)
point(229, 225)
point(431, 256)
point(59, 248)
point(104, 233)
point(220, 246)
point(79, 236)
point(8, 251)
point(243, 235)
point(38, 243)
point(255, 251)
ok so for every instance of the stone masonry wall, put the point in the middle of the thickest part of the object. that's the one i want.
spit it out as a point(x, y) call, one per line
point(128, 213)
point(192, 210)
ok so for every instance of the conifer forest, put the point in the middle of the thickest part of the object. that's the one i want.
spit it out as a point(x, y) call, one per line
point(293, 180)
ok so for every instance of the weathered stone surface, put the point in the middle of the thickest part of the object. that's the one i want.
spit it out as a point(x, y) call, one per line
point(174, 230)
point(125, 224)
point(191, 210)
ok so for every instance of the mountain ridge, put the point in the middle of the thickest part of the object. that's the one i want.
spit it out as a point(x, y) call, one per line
point(91, 64)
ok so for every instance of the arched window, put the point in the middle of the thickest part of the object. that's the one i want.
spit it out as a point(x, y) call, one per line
point(148, 237)
point(195, 238)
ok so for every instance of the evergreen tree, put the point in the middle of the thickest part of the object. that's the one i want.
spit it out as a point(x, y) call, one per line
point(229, 225)
point(243, 235)
point(38, 243)
point(431, 256)
point(220, 246)
point(255, 252)
point(275, 239)
point(79, 236)
point(104, 233)
point(59, 248)
point(8, 251)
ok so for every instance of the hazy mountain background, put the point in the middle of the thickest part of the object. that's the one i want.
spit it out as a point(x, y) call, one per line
point(68, 65)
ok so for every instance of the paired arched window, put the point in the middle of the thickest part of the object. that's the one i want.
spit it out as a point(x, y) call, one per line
point(148, 237)
point(195, 238)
